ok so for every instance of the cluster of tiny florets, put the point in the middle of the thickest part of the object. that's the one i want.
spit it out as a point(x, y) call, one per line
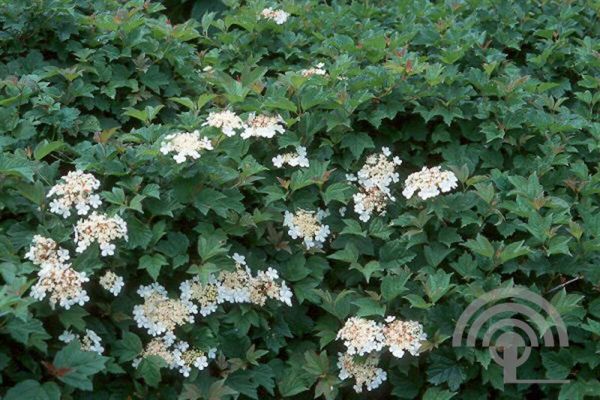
point(366, 338)
point(112, 282)
point(102, 229)
point(361, 336)
point(278, 16)
point(316, 70)
point(263, 126)
point(45, 251)
point(237, 286)
point(374, 180)
point(88, 342)
point(186, 357)
point(307, 225)
point(76, 189)
point(63, 284)
point(402, 336)
point(429, 182)
point(227, 121)
point(160, 314)
point(184, 145)
point(177, 355)
point(293, 159)
point(365, 372)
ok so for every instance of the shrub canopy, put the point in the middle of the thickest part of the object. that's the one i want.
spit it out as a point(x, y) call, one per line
point(502, 95)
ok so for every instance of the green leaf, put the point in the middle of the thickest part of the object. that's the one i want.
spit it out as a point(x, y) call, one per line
point(291, 383)
point(445, 370)
point(44, 148)
point(357, 143)
point(393, 286)
point(73, 317)
point(437, 285)
point(128, 348)
point(210, 246)
point(481, 246)
point(337, 192)
point(15, 166)
point(513, 250)
point(149, 369)
point(30, 332)
point(152, 264)
point(368, 306)
point(436, 253)
point(33, 390)
point(79, 365)
point(434, 393)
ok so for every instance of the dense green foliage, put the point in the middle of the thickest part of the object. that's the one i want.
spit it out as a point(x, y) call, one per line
point(503, 93)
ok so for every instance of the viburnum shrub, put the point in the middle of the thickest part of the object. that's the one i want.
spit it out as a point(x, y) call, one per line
point(293, 199)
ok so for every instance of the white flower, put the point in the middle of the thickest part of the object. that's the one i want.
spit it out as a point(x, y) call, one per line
point(102, 229)
point(403, 336)
point(429, 182)
point(185, 145)
point(184, 358)
point(365, 372)
point(238, 286)
point(160, 314)
point(89, 342)
point(112, 282)
point(316, 70)
point(292, 159)
point(67, 336)
point(239, 259)
point(263, 126)
point(308, 226)
point(45, 252)
point(161, 347)
point(226, 121)
point(278, 16)
point(76, 190)
point(63, 283)
point(361, 336)
point(374, 180)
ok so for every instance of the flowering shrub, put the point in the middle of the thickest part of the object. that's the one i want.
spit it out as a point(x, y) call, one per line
point(379, 165)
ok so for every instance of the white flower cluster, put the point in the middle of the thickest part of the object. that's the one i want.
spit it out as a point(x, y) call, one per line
point(45, 252)
point(62, 283)
point(160, 314)
point(316, 70)
point(185, 358)
point(88, 342)
point(186, 144)
point(307, 225)
point(263, 126)
point(374, 180)
point(363, 337)
point(112, 282)
point(76, 190)
point(227, 121)
point(293, 159)
point(429, 182)
point(365, 372)
point(179, 356)
point(238, 286)
point(102, 229)
point(278, 16)
point(401, 336)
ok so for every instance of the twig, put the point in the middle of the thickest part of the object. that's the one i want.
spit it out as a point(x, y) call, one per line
point(564, 284)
